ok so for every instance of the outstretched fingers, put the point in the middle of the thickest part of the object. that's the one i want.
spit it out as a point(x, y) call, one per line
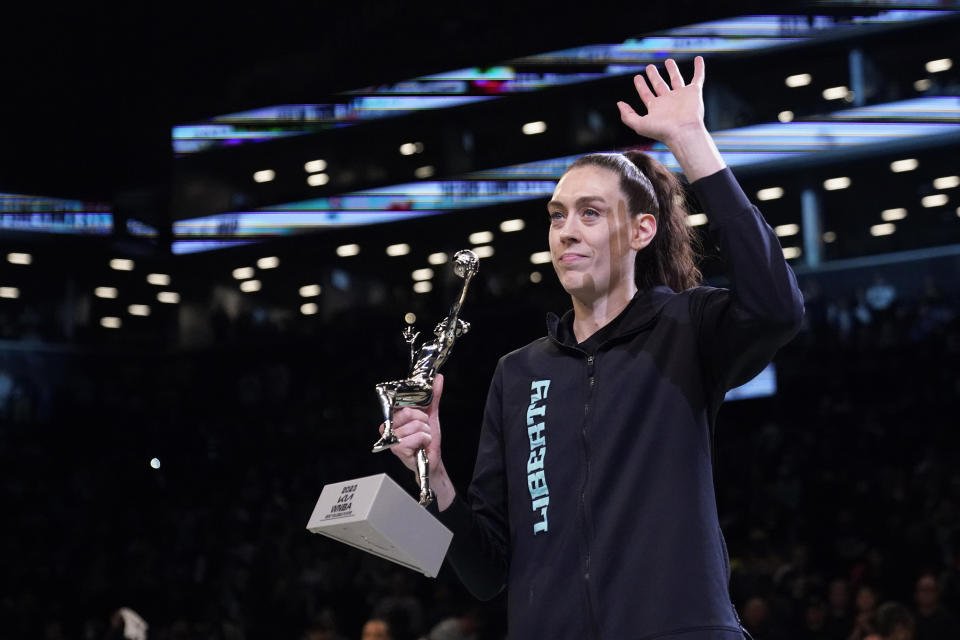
point(659, 86)
point(699, 71)
point(676, 80)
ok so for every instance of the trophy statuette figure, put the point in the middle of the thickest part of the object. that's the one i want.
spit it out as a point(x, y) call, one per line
point(417, 388)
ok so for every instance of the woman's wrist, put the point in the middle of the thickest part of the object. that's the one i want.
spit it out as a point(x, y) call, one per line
point(695, 151)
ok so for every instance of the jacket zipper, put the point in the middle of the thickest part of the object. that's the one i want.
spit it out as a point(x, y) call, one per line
point(591, 615)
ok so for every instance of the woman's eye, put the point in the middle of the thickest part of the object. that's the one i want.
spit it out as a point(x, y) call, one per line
point(555, 215)
point(590, 213)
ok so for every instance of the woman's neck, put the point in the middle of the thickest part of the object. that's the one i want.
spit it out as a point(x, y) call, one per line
point(591, 316)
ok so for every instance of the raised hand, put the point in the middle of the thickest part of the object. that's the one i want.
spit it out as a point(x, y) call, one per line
point(671, 109)
point(675, 118)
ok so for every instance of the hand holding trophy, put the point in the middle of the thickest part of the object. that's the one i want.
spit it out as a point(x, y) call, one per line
point(417, 389)
point(374, 513)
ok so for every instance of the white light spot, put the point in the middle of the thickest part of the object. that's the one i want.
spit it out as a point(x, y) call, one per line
point(309, 308)
point(422, 274)
point(110, 322)
point(105, 292)
point(922, 84)
point(425, 171)
point(19, 258)
point(9, 292)
point(829, 236)
point(697, 219)
point(481, 237)
point(483, 252)
point(936, 200)
point(249, 286)
point(410, 148)
point(834, 184)
point(243, 273)
point(268, 262)
point(264, 175)
point(536, 277)
point(907, 164)
point(533, 128)
point(315, 166)
point(946, 182)
point(884, 229)
point(770, 193)
point(168, 297)
point(309, 290)
point(936, 66)
point(835, 93)
point(348, 250)
point(540, 257)
point(437, 258)
point(318, 179)
point(154, 463)
point(892, 215)
point(121, 264)
point(159, 279)
point(424, 286)
point(139, 310)
point(784, 230)
point(791, 252)
point(401, 249)
point(508, 226)
point(798, 80)
point(410, 318)
point(785, 116)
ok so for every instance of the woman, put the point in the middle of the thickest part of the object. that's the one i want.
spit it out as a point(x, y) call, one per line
point(592, 500)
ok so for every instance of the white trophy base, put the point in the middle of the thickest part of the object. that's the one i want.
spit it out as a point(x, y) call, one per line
point(376, 515)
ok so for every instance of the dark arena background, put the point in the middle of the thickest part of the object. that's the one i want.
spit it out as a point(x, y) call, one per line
point(215, 224)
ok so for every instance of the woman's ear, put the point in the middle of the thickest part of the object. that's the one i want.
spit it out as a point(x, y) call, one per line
point(643, 228)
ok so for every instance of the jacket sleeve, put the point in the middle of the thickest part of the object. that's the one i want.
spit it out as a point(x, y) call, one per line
point(740, 328)
point(479, 550)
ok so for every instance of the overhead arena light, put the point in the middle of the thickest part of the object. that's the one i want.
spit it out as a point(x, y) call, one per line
point(269, 262)
point(907, 164)
point(481, 237)
point(105, 292)
point(401, 249)
point(770, 193)
point(835, 184)
point(697, 219)
point(159, 279)
point(121, 264)
point(516, 224)
point(168, 297)
point(424, 286)
point(139, 310)
point(483, 252)
point(936, 66)
point(348, 250)
point(798, 80)
point(946, 182)
point(936, 200)
point(892, 215)
point(533, 128)
point(540, 257)
point(243, 273)
point(791, 252)
point(785, 230)
point(264, 175)
point(315, 166)
point(422, 274)
point(19, 258)
point(438, 258)
point(883, 229)
point(309, 290)
point(249, 286)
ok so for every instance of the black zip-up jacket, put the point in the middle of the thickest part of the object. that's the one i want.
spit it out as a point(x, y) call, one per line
point(592, 498)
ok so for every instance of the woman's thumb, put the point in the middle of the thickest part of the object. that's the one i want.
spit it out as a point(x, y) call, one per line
point(437, 392)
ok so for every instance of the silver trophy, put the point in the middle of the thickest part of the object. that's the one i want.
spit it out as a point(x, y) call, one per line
point(374, 513)
point(416, 390)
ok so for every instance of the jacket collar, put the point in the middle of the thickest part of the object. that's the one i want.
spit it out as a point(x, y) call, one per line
point(644, 310)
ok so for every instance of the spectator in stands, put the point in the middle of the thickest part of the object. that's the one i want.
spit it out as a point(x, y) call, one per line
point(893, 622)
point(376, 629)
point(839, 619)
point(933, 621)
point(814, 620)
point(865, 603)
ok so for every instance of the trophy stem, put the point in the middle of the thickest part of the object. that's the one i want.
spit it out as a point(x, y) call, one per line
point(423, 470)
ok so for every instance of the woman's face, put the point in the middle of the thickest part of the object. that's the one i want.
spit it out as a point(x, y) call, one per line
point(593, 239)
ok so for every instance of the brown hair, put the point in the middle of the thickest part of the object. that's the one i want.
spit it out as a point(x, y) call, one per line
point(671, 257)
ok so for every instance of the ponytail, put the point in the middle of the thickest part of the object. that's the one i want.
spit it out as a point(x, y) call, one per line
point(671, 257)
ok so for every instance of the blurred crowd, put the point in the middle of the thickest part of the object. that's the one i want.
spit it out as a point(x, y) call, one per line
point(176, 485)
